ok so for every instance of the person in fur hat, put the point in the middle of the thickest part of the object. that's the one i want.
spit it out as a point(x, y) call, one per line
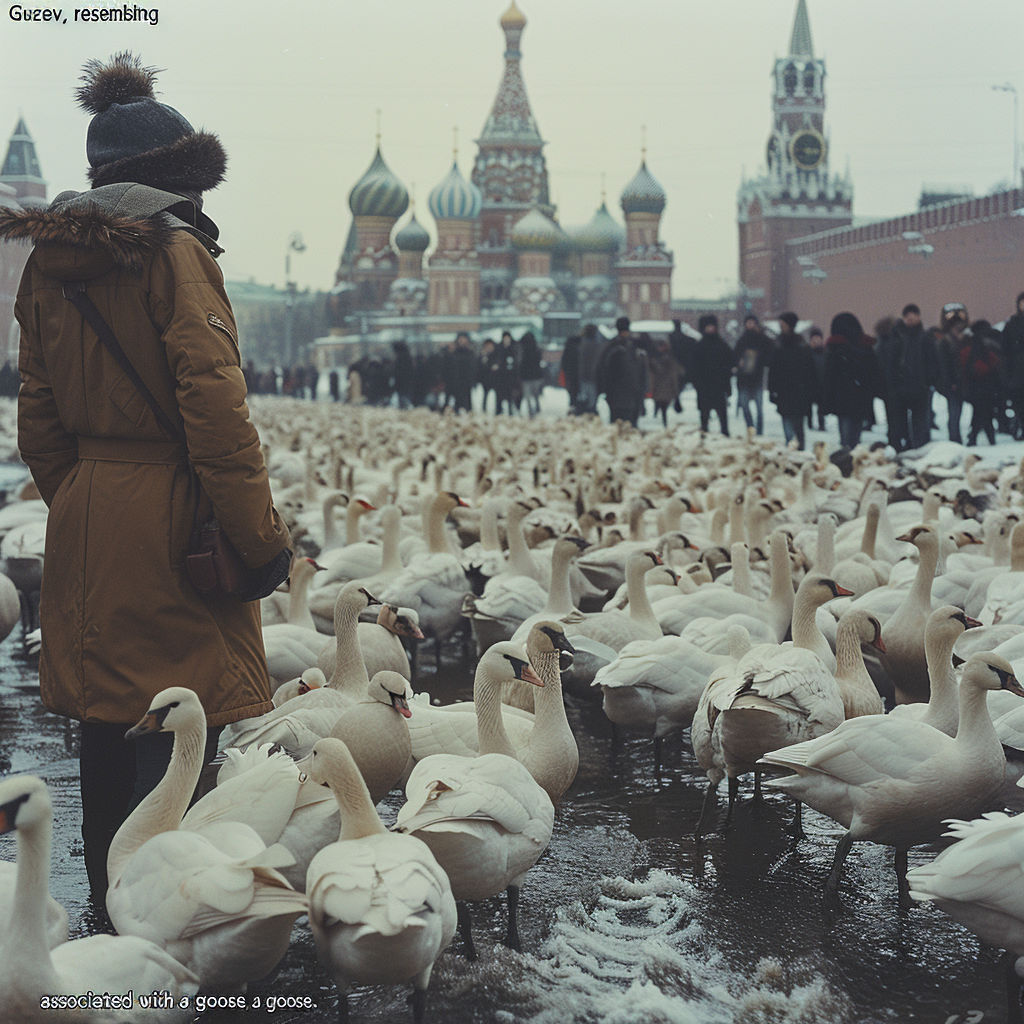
point(129, 478)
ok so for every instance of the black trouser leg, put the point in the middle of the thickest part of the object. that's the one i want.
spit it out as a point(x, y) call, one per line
point(107, 772)
point(722, 409)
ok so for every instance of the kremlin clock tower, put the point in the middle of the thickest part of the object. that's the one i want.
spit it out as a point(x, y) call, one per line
point(797, 196)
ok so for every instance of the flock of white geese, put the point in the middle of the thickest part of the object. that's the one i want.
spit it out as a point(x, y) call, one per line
point(850, 641)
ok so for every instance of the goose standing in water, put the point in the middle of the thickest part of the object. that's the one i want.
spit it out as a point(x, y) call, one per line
point(381, 909)
point(485, 818)
point(894, 781)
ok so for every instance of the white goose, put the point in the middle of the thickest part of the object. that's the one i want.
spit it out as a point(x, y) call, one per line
point(484, 818)
point(776, 695)
point(893, 781)
point(381, 909)
point(31, 970)
point(860, 696)
point(979, 881)
point(346, 686)
point(213, 899)
point(433, 584)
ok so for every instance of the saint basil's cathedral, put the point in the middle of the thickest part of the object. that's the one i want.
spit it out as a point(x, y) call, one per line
point(500, 253)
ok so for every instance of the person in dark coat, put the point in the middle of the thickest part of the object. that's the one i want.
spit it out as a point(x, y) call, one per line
point(909, 372)
point(851, 379)
point(666, 379)
point(402, 372)
point(816, 344)
point(569, 369)
point(589, 359)
point(507, 386)
point(953, 322)
point(980, 366)
point(711, 373)
point(531, 372)
point(791, 382)
point(460, 373)
point(622, 376)
point(753, 353)
point(1013, 356)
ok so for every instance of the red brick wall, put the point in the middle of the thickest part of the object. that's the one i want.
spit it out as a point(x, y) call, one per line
point(978, 259)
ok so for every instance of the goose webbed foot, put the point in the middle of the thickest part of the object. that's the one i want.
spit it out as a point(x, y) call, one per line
point(512, 935)
point(466, 930)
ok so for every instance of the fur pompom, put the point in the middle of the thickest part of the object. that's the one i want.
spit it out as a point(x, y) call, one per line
point(120, 81)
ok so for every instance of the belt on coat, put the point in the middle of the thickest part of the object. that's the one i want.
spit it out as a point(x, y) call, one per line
point(125, 449)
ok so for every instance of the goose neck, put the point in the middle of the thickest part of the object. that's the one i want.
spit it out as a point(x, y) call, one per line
point(849, 657)
point(489, 540)
point(782, 596)
point(639, 603)
point(359, 818)
point(520, 561)
point(349, 667)
point(927, 563)
point(391, 518)
point(298, 597)
point(560, 594)
point(870, 536)
point(352, 516)
point(805, 625)
point(28, 914)
point(163, 809)
point(435, 529)
point(825, 551)
point(741, 583)
point(490, 727)
point(547, 700)
point(943, 693)
point(976, 730)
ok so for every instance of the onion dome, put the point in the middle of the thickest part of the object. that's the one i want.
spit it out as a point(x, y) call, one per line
point(378, 193)
point(413, 237)
point(602, 234)
point(535, 231)
point(513, 17)
point(643, 194)
point(455, 198)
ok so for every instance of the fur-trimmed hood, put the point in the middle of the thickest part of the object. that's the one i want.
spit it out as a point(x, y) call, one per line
point(120, 225)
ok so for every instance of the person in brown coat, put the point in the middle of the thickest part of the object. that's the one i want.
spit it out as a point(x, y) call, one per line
point(120, 618)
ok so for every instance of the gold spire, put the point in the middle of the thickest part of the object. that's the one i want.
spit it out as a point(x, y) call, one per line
point(513, 17)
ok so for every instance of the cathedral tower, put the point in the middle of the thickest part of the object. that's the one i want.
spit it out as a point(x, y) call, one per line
point(21, 170)
point(796, 196)
point(645, 266)
point(454, 275)
point(509, 170)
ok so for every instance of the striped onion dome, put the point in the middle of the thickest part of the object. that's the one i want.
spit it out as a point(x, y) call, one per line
point(602, 234)
point(535, 231)
point(378, 193)
point(413, 237)
point(643, 194)
point(454, 198)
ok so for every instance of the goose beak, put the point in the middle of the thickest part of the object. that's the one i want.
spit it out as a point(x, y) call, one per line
point(970, 623)
point(528, 675)
point(148, 724)
point(414, 631)
point(1010, 683)
point(401, 705)
point(843, 592)
point(877, 643)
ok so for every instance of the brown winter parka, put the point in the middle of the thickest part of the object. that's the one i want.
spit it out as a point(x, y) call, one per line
point(120, 619)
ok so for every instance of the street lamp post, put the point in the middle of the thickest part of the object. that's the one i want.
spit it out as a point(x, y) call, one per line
point(295, 244)
point(1010, 87)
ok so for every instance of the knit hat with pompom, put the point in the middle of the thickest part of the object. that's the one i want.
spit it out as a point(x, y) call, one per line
point(133, 137)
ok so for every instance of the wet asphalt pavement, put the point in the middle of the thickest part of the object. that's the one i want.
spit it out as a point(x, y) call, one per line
point(625, 917)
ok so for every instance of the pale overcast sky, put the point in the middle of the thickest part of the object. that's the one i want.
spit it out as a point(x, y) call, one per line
point(292, 90)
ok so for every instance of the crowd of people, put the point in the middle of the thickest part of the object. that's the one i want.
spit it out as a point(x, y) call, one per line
point(806, 378)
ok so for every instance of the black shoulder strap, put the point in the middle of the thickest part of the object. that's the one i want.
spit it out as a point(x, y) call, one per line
point(74, 291)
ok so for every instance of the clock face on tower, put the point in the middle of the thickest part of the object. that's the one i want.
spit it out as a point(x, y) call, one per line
point(807, 148)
